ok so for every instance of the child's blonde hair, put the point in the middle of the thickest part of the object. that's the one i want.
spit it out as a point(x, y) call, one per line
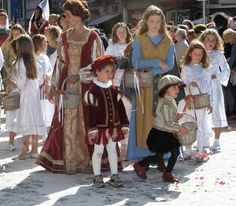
point(219, 41)
point(229, 34)
point(54, 32)
point(154, 11)
point(37, 41)
point(25, 50)
point(196, 44)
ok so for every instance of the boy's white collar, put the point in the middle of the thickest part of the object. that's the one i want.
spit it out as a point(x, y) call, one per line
point(102, 84)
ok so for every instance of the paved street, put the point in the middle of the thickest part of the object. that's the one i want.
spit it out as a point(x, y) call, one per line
point(212, 183)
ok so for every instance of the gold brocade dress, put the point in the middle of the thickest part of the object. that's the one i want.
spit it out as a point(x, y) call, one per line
point(76, 155)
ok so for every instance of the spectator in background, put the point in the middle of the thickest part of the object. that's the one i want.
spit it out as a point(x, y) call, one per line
point(221, 22)
point(198, 29)
point(53, 19)
point(181, 46)
point(211, 25)
point(232, 22)
point(190, 35)
point(188, 23)
point(172, 31)
point(182, 26)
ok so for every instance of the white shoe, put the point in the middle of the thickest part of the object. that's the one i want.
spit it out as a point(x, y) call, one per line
point(215, 146)
point(12, 147)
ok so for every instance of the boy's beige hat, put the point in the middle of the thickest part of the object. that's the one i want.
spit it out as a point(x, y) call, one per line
point(169, 80)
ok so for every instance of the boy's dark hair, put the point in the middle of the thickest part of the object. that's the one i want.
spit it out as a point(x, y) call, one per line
point(162, 93)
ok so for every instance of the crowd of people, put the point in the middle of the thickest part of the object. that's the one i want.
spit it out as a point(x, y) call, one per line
point(74, 93)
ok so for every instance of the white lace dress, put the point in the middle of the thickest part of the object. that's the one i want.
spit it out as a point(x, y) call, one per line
point(45, 68)
point(29, 118)
point(221, 69)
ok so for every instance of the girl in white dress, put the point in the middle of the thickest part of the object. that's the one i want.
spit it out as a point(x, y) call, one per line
point(44, 76)
point(195, 74)
point(120, 38)
point(220, 73)
point(29, 116)
point(9, 58)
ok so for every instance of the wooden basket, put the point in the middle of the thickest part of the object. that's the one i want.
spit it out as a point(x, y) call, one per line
point(187, 139)
point(200, 100)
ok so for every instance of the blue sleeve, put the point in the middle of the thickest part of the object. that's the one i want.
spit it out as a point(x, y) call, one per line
point(154, 64)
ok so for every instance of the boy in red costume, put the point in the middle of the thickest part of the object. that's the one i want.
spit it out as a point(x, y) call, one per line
point(108, 122)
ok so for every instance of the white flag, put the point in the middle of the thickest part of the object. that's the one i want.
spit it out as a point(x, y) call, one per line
point(44, 5)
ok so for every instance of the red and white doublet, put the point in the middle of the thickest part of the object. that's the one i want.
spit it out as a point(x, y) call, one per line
point(107, 118)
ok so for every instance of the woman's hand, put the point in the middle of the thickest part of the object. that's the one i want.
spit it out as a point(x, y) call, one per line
point(74, 78)
point(164, 67)
point(51, 94)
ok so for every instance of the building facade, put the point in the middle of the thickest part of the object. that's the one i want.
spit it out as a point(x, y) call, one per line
point(105, 13)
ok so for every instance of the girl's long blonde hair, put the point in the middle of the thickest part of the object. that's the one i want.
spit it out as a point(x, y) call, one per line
point(153, 11)
point(25, 50)
point(196, 44)
point(219, 42)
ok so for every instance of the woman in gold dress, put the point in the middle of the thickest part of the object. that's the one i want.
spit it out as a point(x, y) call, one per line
point(65, 150)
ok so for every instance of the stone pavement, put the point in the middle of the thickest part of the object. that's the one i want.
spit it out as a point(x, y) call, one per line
point(212, 183)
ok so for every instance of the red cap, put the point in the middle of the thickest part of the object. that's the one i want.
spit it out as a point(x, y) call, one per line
point(103, 61)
